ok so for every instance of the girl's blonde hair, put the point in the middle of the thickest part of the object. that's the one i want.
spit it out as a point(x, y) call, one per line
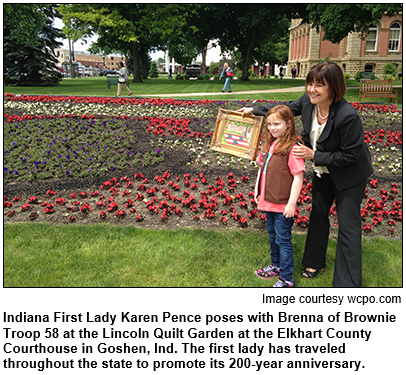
point(290, 136)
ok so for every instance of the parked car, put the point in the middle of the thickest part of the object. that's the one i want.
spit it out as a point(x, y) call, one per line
point(95, 71)
point(193, 70)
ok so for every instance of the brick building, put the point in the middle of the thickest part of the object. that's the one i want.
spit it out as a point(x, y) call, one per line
point(87, 59)
point(382, 44)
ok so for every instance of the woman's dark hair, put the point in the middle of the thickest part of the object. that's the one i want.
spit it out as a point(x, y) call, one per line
point(330, 74)
point(121, 64)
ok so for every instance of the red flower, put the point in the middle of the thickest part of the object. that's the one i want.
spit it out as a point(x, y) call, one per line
point(224, 220)
point(373, 183)
point(113, 206)
point(33, 199)
point(60, 201)
point(49, 209)
point(50, 193)
point(302, 221)
point(243, 222)
point(120, 214)
point(100, 204)
point(25, 207)
point(85, 208)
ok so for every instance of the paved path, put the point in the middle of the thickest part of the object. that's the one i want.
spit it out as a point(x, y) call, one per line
point(285, 89)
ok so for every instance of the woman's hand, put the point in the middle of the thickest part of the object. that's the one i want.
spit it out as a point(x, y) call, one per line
point(246, 111)
point(303, 152)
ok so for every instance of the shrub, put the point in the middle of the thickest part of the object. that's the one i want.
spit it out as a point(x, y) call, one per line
point(390, 70)
point(153, 71)
point(204, 77)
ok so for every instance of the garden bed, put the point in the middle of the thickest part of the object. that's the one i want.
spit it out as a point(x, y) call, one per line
point(147, 162)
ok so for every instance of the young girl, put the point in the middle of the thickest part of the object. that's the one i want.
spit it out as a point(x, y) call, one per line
point(277, 189)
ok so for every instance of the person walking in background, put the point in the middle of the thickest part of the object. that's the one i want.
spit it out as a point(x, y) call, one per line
point(228, 73)
point(122, 79)
point(170, 73)
point(333, 138)
point(277, 190)
point(293, 71)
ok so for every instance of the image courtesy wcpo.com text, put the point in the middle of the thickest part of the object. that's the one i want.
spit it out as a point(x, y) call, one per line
point(201, 331)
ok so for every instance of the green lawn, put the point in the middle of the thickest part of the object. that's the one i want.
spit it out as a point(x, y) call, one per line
point(158, 86)
point(45, 255)
point(97, 86)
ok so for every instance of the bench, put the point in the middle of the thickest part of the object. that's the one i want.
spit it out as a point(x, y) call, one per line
point(113, 80)
point(377, 89)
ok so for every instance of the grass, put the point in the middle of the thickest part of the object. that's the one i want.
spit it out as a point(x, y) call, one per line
point(97, 86)
point(45, 255)
point(151, 87)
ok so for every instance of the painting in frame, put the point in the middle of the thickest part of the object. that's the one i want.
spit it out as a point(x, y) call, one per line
point(236, 135)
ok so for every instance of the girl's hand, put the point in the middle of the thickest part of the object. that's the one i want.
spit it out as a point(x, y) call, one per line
point(289, 210)
point(303, 152)
point(256, 199)
point(246, 111)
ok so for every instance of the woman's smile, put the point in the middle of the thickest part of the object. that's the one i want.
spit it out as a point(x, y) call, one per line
point(319, 93)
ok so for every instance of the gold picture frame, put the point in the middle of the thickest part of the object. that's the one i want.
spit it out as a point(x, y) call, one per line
point(236, 135)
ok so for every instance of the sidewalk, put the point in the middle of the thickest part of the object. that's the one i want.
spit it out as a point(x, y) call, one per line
point(286, 89)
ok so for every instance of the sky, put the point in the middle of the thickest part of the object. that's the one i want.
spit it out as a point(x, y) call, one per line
point(213, 54)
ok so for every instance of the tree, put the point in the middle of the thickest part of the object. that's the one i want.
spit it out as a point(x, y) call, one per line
point(121, 28)
point(73, 32)
point(245, 27)
point(176, 27)
point(29, 58)
point(153, 72)
point(337, 20)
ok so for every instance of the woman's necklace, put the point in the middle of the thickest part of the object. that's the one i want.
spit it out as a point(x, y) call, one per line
point(322, 117)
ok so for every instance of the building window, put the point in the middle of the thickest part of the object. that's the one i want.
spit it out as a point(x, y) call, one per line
point(369, 68)
point(394, 37)
point(372, 37)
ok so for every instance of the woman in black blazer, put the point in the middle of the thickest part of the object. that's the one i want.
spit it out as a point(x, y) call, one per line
point(334, 140)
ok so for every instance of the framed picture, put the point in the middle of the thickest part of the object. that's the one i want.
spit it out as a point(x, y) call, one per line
point(236, 135)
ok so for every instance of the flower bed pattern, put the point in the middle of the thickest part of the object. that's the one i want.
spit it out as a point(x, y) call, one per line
point(147, 162)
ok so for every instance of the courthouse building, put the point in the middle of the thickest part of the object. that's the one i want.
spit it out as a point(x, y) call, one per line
point(370, 53)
